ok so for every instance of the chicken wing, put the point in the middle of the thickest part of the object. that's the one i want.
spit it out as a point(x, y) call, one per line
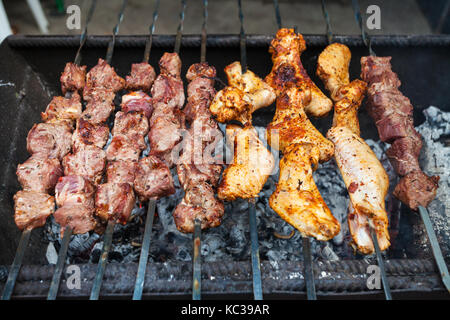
point(286, 49)
point(297, 199)
point(245, 94)
point(252, 165)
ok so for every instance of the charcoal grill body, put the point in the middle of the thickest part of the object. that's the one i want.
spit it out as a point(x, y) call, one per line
point(30, 67)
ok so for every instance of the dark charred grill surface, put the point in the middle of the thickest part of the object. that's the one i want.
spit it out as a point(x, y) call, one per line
point(30, 79)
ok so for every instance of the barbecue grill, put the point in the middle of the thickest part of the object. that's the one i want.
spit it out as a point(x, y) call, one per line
point(31, 68)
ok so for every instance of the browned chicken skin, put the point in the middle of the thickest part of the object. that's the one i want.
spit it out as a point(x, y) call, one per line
point(364, 176)
point(286, 49)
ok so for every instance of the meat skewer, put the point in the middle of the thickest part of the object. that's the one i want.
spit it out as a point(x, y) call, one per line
point(48, 142)
point(392, 112)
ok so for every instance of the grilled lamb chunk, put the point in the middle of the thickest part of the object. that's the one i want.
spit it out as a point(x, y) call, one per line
point(404, 154)
point(52, 140)
point(88, 162)
point(121, 172)
point(153, 179)
point(73, 77)
point(137, 101)
point(141, 77)
point(195, 174)
point(32, 208)
point(198, 202)
point(79, 217)
point(168, 87)
point(63, 109)
point(122, 148)
point(114, 201)
point(132, 125)
point(103, 76)
point(170, 64)
point(100, 105)
point(417, 189)
point(88, 133)
point(74, 190)
point(39, 174)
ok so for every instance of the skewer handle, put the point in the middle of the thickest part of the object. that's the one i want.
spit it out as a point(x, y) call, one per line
point(111, 44)
point(384, 280)
point(309, 272)
point(107, 241)
point(327, 20)
point(367, 41)
point(17, 263)
point(54, 286)
point(256, 264)
point(205, 21)
point(197, 262)
point(140, 278)
point(435, 247)
point(148, 44)
point(243, 41)
point(277, 13)
point(180, 28)
point(83, 36)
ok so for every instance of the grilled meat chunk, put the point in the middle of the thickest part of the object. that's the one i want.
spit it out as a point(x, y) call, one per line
point(88, 162)
point(132, 125)
point(114, 201)
point(137, 101)
point(39, 174)
point(51, 140)
point(291, 125)
point(103, 76)
point(153, 179)
point(286, 49)
point(73, 77)
point(100, 105)
point(252, 165)
point(245, 94)
point(367, 183)
point(392, 113)
point(297, 199)
point(141, 77)
point(79, 217)
point(122, 148)
point(63, 109)
point(88, 133)
point(121, 172)
point(74, 190)
point(31, 209)
point(199, 202)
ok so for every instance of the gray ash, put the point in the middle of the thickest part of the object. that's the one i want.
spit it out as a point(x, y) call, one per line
point(231, 240)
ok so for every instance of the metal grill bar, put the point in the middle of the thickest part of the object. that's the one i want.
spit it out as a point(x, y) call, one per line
point(54, 286)
point(17, 263)
point(148, 44)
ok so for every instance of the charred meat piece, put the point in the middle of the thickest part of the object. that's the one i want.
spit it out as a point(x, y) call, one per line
point(153, 179)
point(79, 217)
point(141, 77)
point(31, 209)
point(114, 201)
point(91, 134)
point(170, 64)
point(51, 140)
point(199, 202)
point(103, 76)
point(287, 70)
point(39, 174)
point(121, 172)
point(63, 109)
point(133, 125)
point(137, 101)
point(88, 162)
point(122, 148)
point(392, 113)
point(73, 77)
point(74, 190)
point(100, 105)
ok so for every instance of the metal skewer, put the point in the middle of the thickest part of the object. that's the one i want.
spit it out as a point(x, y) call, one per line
point(277, 13)
point(143, 259)
point(384, 279)
point(83, 36)
point(107, 239)
point(256, 263)
point(180, 28)
point(17, 263)
point(197, 236)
